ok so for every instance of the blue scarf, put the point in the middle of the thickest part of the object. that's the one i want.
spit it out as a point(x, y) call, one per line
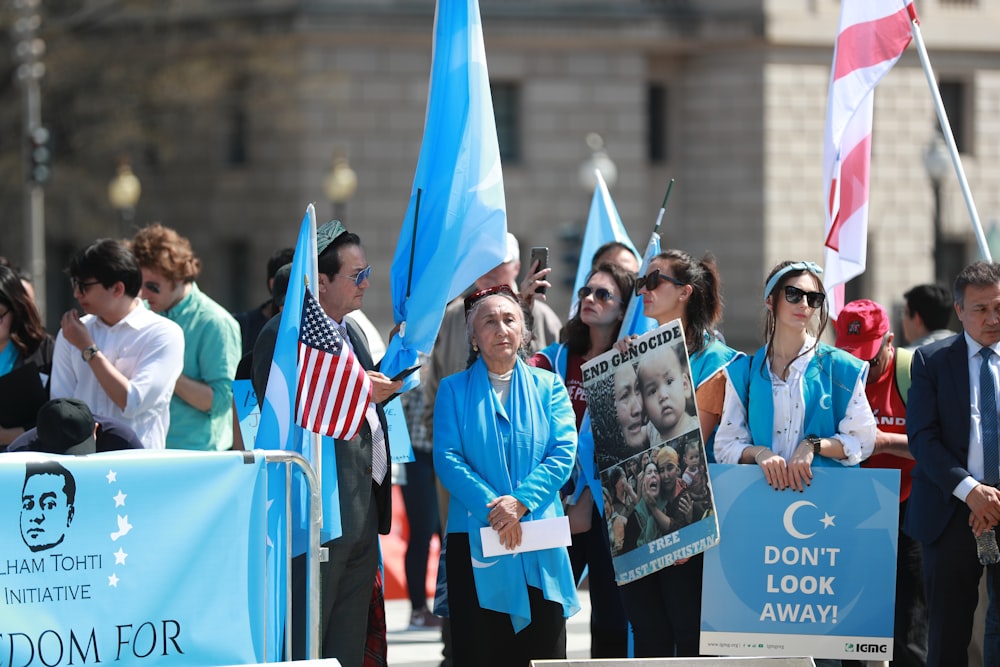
point(8, 358)
point(518, 453)
point(705, 363)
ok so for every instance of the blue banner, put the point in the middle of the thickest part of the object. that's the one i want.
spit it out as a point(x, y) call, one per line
point(132, 558)
point(808, 573)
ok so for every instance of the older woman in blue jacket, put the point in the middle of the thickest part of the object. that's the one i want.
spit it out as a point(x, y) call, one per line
point(504, 444)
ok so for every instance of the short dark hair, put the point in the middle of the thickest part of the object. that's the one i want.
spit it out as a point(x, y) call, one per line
point(932, 303)
point(51, 468)
point(329, 260)
point(108, 261)
point(978, 274)
point(277, 260)
point(615, 245)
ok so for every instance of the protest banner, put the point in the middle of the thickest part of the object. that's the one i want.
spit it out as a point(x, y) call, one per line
point(132, 558)
point(809, 573)
point(650, 455)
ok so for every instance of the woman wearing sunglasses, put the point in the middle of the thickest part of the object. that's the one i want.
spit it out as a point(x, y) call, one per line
point(665, 607)
point(590, 332)
point(796, 402)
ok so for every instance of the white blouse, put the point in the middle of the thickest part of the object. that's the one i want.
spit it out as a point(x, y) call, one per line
point(856, 431)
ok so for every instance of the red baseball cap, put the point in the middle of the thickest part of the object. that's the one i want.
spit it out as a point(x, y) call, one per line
point(860, 328)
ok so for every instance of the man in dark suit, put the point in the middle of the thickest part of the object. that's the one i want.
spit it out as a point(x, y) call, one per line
point(364, 484)
point(952, 430)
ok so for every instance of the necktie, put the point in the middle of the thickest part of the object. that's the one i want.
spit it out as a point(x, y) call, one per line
point(988, 419)
point(380, 465)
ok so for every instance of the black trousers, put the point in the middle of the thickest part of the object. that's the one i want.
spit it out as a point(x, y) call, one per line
point(482, 637)
point(664, 609)
point(608, 624)
point(951, 583)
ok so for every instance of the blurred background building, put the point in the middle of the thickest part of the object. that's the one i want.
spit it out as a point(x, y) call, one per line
point(224, 119)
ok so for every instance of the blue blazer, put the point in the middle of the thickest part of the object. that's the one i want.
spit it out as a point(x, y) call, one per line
point(937, 426)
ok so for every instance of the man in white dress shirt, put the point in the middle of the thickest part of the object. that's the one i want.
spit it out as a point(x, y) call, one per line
point(120, 358)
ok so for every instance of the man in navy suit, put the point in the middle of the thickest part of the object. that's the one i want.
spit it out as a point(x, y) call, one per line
point(348, 576)
point(952, 430)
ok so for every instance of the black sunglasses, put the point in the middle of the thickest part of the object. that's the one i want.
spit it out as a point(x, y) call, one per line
point(813, 299)
point(653, 279)
point(601, 294)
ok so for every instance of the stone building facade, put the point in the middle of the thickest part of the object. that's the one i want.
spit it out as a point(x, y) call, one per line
point(232, 110)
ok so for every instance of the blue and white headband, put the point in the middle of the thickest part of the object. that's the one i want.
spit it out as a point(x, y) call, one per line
point(811, 267)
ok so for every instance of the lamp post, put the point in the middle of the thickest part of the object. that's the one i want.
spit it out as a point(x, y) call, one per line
point(937, 162)
point(600, 161)
point(123, 192)
point(340, 184)
point(28, 52)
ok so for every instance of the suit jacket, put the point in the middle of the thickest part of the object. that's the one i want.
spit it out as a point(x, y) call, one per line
point(354, 457)
point(354, 461)
point(937, 426)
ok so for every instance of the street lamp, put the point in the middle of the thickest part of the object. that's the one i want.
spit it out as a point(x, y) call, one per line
point(124, 191)
point(600, 161)
point(340, 184)
point(937, 162)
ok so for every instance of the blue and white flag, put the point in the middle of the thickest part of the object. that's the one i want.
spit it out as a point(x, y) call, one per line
point(278, 429)
point(604, 225)
point(634, 321)
point(456, 224)
point(810, 573)
point(132, 558)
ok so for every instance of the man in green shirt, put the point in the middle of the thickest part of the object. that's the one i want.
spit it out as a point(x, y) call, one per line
point(200, 408)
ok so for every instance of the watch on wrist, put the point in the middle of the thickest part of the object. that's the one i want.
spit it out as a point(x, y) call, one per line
point(88, 352)
point(816, 442)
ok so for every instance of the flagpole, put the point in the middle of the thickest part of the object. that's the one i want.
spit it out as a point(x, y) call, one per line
point(949, 137)
point(413, 242)
point(663, 207)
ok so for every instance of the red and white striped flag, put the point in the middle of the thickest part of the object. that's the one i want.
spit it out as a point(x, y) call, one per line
point(873, 35)
point(333, 389)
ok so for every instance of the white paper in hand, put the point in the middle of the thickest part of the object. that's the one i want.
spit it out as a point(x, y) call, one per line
point(535, 536)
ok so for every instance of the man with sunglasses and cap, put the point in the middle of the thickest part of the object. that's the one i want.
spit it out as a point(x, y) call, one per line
point(121, 358)
point(347, 578)
point(200, 407)
point(863, 330)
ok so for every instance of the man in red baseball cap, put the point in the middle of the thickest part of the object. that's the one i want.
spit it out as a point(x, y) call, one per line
point(863, 330)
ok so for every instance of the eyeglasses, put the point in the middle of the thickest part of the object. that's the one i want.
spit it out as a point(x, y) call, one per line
point(360, 276)
point(152, 287)
point(6, 313)
point(653, 279)
point(601, 294)
point(813, 299)
point(82, 287)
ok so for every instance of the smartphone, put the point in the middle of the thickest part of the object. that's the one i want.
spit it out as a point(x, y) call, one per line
point(405, 373)
point(539, 255)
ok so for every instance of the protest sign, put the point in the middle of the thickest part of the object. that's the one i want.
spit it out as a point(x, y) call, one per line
point(132, 558)
point(650, 454)
point(808, 573)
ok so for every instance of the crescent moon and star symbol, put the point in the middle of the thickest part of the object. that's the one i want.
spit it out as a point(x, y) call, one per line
point(788, 520)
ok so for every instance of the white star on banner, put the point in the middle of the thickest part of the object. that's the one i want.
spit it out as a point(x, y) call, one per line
point(120, 556)
point(120, 499)
point(112, 477)
point(827, 520)
point(113, 580)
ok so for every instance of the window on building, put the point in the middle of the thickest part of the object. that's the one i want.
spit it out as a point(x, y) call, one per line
point(656, 123)
point(238, 126)
point(954, 95)
point(507, 112)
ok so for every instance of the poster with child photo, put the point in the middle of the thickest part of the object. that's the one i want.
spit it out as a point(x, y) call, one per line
point(651, 459)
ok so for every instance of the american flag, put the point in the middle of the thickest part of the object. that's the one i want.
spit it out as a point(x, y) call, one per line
point(873, 35)
point(333, 389)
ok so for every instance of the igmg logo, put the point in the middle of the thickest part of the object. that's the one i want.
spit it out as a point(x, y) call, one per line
point(866, 648)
